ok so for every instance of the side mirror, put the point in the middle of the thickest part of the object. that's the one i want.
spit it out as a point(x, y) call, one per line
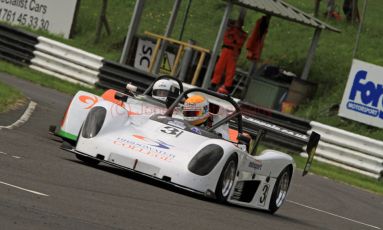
point(254, 145)
point(131, 88)
point(121, 96)
point(244, 138)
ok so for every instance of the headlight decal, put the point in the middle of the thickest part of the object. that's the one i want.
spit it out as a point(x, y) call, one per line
point(206, 159)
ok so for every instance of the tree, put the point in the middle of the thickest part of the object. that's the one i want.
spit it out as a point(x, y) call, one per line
point(102, 21)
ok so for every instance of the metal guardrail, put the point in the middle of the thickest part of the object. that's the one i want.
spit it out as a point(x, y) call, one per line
point(66, 62)
point(351, 151)
point(16, 46)
point(115, 76)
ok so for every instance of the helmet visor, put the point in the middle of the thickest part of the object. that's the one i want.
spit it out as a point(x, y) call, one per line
point(192, 113)
point(160, 92)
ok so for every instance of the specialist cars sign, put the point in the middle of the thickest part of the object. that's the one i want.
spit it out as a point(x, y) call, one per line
point(363, 97)
point(55, 16)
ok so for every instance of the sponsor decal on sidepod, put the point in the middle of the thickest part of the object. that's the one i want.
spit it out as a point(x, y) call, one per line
point(369, 96)
point(146, 146)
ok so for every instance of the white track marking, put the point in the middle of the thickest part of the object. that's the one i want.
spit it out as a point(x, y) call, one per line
point(24, 118)
point(332, 214)
point(14, 156)
point(27, 190)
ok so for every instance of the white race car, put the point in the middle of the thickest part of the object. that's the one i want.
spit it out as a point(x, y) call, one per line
point(80, 105)
point(165, 147)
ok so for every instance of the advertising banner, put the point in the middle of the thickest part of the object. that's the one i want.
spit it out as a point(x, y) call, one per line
point(55, 16)
point(363, 97)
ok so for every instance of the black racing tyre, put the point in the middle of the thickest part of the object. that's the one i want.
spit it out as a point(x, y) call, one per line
point(87, 160)
point(226, 179)
point(281, 187)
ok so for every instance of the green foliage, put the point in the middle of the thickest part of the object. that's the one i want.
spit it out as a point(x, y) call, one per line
point(41, 79)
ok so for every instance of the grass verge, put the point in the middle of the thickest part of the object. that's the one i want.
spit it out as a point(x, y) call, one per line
point(341, 175)
point(9, 96)
point(44, 79)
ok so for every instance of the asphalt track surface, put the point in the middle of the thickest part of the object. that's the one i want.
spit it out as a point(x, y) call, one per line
point(43, 187)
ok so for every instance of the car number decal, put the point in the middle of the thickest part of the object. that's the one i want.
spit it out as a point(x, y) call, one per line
point(265, 192)
point(171, 131)
point(177, 124)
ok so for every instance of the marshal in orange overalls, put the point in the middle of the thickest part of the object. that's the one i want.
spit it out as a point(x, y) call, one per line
point(233, 40)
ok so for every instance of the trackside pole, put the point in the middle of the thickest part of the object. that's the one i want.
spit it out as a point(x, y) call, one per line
point(217, 44)
point(134, 23)
point(168, 33)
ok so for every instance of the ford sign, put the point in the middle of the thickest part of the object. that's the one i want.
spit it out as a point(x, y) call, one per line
point(363, 97)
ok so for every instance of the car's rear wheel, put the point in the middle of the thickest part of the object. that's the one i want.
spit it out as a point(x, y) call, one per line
point(226, 179)
point(87, 160)
point(280, 190)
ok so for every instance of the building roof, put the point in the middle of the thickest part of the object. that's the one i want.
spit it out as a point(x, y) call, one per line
point(283, 10)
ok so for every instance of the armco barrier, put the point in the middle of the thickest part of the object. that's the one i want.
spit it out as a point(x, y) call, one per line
point(16, 46)
point(66, 62)
point(350, 150)
point(116, 76)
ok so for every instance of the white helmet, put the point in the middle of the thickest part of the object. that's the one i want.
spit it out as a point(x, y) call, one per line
point(164, 88)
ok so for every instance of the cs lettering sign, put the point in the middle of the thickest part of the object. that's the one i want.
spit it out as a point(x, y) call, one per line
point(145, 49)
point(55, 16)
point(363, 97)
point(144, 52)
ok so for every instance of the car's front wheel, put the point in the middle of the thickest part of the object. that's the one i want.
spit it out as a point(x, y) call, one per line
point(281, 187)
point(226, 179)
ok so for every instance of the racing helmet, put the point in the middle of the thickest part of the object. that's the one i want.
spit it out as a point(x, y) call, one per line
point(165, 88)
point(196, 110)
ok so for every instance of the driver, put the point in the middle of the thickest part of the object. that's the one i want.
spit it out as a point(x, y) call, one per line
point(196, 111)
point(164, 88)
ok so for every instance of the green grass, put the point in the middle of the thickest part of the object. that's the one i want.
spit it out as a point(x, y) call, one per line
point(286, 45)
point(42, 79)
point(9, 96)
point(341, 175)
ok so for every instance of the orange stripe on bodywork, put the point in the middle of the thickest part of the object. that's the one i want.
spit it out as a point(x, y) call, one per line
point(233, 135)
point(109, 96)
point(65, 114)
point(85, 99)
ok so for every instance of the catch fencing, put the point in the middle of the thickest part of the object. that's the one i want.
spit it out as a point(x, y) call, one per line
point(337, 147)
